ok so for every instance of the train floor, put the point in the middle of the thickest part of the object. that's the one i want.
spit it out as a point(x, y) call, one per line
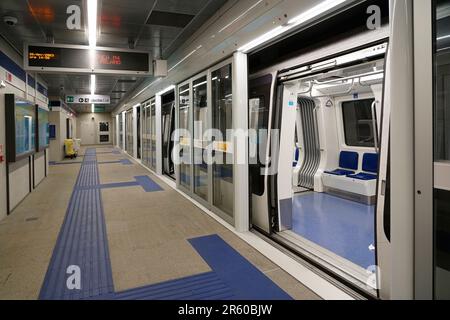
point(103, 227)
point(341, 226)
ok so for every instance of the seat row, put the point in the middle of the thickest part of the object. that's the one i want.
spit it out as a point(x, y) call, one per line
point(348, 181)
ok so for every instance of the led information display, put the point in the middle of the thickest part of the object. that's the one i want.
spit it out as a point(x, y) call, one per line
point(78, 59)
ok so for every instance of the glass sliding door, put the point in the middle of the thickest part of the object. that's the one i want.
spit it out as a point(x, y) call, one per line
point(153, 134)
point(146, 134)
point(441, 119)
point(129, 132)
point(184, 117)
point(121, 131)
point(222, 187)
point(200, 106)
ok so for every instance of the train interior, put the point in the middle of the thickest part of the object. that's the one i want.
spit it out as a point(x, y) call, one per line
point(331, 119)
point(168, 127)
point(342, 183)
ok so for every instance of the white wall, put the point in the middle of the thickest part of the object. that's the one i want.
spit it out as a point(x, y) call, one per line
point(88, 127)
point(39, 168)
point(58, 117)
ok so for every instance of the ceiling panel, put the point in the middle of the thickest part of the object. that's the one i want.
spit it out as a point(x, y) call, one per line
point(156, 26)
point(171, 19)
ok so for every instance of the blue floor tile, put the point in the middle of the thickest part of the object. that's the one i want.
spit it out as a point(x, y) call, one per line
point(243, 279)
point(83, 242)
point(341, 226)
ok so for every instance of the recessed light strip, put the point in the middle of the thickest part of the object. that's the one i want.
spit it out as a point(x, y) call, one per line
point(240, 16)
point(181, 61)
point(171, 87)
point(308, 15)
point(92, 34)
point(92, 22)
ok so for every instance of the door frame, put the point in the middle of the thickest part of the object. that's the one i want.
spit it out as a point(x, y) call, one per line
point(423, 155)
point(177, 124)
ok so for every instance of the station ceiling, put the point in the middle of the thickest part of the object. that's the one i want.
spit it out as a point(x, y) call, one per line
point(156, 26)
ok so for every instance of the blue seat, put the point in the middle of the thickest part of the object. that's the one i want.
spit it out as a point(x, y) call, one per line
point(348, 164)
point(370, 168)
point(370, 162)
point(363, 176)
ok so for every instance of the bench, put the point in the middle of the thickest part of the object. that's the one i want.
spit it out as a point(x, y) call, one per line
point(355, 186)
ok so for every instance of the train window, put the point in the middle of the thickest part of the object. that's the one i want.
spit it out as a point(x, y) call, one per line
point(358, 123)
point(257, 122)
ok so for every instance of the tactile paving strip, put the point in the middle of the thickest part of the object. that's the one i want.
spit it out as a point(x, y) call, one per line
point(82, 242)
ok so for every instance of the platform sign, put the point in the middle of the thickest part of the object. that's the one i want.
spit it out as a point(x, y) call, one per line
point(81, 59)
point(88, 99)
point(98, 109)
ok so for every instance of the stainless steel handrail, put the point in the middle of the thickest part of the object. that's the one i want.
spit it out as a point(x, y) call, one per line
point(375, 125)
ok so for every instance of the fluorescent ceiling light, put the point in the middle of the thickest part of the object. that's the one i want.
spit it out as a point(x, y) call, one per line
point(166, 90)
point(190, 54)
point(240, 16)
point(305, 17)
point(199, 84)
point(93, 84)
point(315, 11)
point(443, 37)
point(92, 22)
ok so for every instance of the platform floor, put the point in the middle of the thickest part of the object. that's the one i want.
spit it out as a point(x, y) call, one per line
point(133, 237)
point(344, 227)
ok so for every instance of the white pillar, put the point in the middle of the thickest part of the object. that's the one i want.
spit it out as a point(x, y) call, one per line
point(158, 114)
point(124, 134)
point(135, 146)
point(117, 130)
point(240, 122)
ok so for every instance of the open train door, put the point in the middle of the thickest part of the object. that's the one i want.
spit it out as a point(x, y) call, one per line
point(261, 117)
point(318, 93)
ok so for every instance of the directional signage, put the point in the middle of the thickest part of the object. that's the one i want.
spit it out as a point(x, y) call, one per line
point(99, 109)
point(88, 99)
point(82, 59)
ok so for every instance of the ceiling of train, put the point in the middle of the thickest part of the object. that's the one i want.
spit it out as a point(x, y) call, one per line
point(156, 26)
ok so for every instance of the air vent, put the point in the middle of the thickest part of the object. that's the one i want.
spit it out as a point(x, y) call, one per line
point(169, 19)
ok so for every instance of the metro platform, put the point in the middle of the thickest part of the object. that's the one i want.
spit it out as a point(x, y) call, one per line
point(132, 236)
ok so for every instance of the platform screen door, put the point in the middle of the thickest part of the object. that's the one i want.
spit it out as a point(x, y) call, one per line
point(441, 128)
point(432, 145)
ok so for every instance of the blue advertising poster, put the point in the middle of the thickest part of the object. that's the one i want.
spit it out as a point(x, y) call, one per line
point(44, 129)
point(25, 128)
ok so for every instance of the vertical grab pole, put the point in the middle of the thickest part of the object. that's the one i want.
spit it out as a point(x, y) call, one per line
point(374, 125)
